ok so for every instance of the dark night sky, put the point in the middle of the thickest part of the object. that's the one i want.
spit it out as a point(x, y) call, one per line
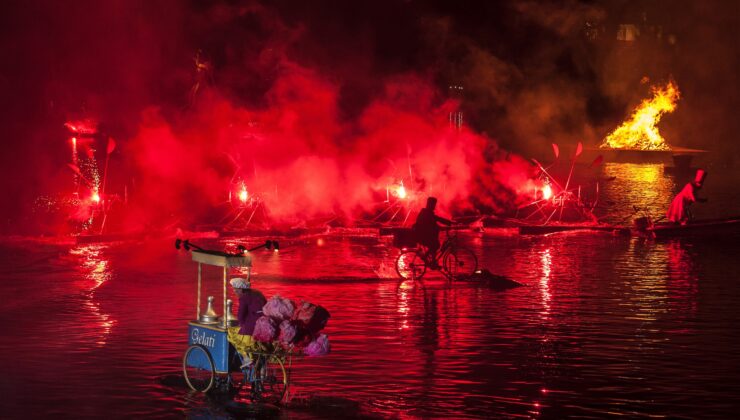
point(531, 75)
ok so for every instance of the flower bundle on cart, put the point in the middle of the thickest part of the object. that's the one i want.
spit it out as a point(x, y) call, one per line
point(293, 327)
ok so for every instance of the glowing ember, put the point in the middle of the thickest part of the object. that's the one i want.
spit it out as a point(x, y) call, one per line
point(96, 197)
point(640, 132)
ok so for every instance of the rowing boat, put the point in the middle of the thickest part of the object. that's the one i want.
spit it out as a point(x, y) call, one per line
point(719, 228)
point(568, 227)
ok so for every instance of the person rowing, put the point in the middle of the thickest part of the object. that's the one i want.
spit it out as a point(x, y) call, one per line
point(680, 209)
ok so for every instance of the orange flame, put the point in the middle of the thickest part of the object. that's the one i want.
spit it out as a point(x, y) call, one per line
point(640, 132)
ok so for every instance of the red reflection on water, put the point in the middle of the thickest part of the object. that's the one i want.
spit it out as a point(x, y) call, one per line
point(95, 268)
point(683, 286)
point(667, 285)
point(409, 294)
point(544, 283)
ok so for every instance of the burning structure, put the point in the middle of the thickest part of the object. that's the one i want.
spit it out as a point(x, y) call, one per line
point(639, 134)
point(640, 131)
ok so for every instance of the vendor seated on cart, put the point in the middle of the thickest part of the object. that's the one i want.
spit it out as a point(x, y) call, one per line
point(250, 309)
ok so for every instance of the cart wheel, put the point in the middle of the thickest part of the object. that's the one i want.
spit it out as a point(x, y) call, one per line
point(410, 265)
point(270, 380)
point(198, 368)
point(460, 262)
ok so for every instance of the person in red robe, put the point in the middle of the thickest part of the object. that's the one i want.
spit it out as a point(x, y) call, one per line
point(679, 210)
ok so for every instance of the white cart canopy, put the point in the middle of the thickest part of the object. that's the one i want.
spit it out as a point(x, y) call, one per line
point(221, 259)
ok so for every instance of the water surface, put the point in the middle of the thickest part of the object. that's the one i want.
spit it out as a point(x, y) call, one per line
point(605, 325)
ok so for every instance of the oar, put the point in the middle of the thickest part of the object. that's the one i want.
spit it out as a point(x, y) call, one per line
point(599, 159)
point(109, 149)
point(544, 171)
point(579, 150)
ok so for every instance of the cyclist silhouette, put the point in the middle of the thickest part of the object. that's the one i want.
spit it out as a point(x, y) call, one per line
point(426, 229)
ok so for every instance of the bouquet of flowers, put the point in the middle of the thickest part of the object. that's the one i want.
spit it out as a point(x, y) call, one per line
point(292, 326)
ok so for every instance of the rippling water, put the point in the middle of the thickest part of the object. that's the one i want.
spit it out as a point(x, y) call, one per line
point(605, 325)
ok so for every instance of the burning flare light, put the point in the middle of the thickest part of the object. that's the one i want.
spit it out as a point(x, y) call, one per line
point(243, 194)
point(401, 192)
point(547, 192)
point(640, 131)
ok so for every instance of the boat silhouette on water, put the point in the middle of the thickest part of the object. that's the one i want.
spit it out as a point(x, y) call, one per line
point(715, 228)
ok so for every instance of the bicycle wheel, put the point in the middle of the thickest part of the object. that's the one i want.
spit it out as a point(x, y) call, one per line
point(270, 380)
point(198, 368)
point(410, 265)
point(460, 262)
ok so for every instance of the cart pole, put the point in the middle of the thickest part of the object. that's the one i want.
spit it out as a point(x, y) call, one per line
point(224, 307)
point(197, 304)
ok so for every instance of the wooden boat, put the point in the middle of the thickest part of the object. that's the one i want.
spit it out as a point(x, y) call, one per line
point(568, 227)
point(716, 228)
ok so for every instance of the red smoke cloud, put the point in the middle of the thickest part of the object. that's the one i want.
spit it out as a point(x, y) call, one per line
point(304, 161)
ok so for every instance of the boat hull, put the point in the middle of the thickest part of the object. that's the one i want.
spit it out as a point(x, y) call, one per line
point(715, 228)
point(562, 227)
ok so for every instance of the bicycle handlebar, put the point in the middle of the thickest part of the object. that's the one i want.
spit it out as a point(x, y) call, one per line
point(186, 244)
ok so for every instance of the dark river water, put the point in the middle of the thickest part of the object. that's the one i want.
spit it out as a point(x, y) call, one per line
point(604, 325)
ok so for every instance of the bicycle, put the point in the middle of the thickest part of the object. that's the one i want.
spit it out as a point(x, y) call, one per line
point(266, 376)
point(456, 260)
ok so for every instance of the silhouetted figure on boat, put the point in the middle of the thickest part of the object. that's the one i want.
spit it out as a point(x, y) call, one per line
point(426, 227)
point(679, 210)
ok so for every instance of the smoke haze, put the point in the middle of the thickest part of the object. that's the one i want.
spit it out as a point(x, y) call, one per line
point(320, 107)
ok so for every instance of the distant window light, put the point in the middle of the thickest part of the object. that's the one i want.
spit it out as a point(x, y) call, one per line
point(628, 32)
